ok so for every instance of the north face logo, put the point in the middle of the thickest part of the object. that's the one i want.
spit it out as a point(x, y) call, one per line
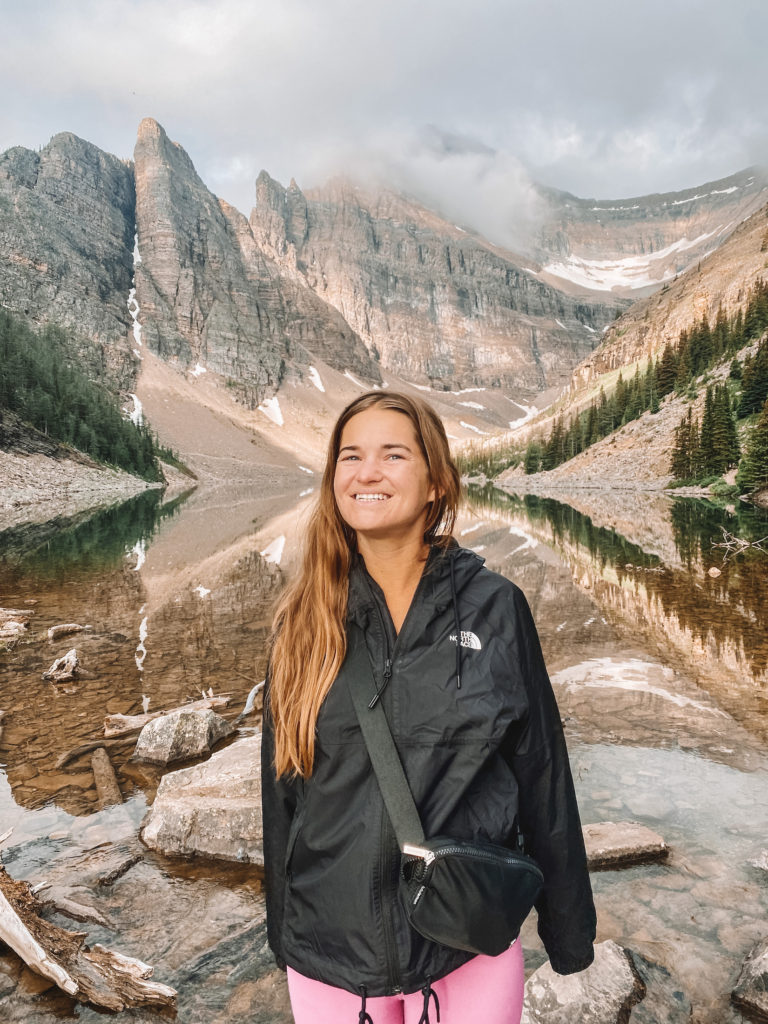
point(467, 640)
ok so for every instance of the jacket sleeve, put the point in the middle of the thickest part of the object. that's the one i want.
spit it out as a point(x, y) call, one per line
point(535, 750)
point(278, 806)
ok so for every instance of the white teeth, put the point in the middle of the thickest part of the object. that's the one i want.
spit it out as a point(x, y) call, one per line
point(371, 497)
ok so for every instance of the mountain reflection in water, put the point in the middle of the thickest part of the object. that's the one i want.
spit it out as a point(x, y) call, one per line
point(659, 669)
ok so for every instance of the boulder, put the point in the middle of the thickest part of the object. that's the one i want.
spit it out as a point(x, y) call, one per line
point(180, 735)
point(622, 843)
point(751, 991)
point(211, 809)
point(761, 861)
point(603, 994)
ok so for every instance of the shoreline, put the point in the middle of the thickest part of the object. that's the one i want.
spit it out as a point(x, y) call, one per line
point(36, 488)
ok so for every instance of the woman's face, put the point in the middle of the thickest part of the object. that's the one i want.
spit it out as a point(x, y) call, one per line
point(381, 482)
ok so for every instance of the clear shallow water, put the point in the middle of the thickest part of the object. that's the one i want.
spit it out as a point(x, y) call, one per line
point(179, 600)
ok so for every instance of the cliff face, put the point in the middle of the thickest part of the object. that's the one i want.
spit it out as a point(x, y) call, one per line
point(633, 246)
point(66, 236)
point(431, 301)
point(207, 294)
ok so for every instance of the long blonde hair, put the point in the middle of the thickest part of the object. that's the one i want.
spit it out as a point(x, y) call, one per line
point(309, 641)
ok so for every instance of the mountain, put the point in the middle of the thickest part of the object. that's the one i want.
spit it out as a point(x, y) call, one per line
point(67, 219)
point(633, 246)
point(433, 302)
point(638, 454)
point(208, 295)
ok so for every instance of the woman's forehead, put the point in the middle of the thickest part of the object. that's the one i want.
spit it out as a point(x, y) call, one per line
point(379, 426)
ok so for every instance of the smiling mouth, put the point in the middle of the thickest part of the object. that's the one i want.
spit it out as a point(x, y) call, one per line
point(371, 497)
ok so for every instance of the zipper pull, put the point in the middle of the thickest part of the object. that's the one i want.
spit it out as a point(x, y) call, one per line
point(387, 677)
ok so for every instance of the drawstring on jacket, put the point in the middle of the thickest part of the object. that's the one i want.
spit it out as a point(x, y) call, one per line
point(456, 620)
point(428, 991)
point(364, 1017)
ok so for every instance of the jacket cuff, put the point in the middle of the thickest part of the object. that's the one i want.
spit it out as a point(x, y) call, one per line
point(569, 965)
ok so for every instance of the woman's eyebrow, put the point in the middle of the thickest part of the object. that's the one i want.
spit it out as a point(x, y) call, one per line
point(356, 447)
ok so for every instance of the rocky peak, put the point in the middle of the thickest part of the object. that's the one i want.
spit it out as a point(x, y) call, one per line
point(206, 291)
point(435, 303)
point(66, 235)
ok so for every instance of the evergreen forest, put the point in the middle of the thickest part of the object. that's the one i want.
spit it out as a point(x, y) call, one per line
point(701, 450)
point(42, 384)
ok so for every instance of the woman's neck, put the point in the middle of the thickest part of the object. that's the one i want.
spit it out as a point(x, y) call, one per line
point(397, 568)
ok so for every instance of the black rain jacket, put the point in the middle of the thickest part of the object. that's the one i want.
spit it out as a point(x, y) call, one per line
point(481, 758)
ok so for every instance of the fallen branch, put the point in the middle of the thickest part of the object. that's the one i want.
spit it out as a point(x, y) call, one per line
point(734, 545)
point(98, 976)
point(119, 725)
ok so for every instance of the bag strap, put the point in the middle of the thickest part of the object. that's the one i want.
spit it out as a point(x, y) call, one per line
point(381, 747)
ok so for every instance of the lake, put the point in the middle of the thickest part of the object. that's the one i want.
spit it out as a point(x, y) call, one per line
point(660, 666)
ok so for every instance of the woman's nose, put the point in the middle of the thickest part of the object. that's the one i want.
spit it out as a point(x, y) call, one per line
point(369, 469)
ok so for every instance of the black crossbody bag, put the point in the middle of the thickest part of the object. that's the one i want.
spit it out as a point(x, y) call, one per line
point(467, 894)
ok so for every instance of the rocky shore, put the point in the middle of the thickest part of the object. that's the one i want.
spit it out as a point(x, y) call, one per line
point(36, 488)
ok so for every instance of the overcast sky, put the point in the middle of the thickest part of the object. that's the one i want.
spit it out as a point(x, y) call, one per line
point(464, 100)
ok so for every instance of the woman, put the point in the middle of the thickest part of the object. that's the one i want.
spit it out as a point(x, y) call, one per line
point(458, 668)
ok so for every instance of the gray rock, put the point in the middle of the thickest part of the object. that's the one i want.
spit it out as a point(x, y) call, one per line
point(180, 735)
point(211, 809)
point(751, 991)
point(618, 844)
point(66, 668)
point(761, 861)
point(603, 994)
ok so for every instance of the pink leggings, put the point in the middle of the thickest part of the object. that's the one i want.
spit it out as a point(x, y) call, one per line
point(486, 988)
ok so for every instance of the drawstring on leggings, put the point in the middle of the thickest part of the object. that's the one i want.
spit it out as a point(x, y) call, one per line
point(428, 991)
point(363, 1017)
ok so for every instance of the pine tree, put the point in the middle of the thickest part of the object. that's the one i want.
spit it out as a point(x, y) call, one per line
point(680, 464)
point(666, 371)
point(707, 449)
point(753, 471)
point(532, 461)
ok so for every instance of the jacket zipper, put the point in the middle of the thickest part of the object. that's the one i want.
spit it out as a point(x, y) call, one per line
point(390, 865)
point(388, 891)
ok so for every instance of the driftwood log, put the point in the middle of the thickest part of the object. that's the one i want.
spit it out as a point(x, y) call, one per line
point(97, 975)
point(118, 725)
point(65, 629)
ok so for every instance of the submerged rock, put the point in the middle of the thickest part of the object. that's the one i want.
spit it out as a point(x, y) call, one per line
point(603, 994)
point(211, 809)
point(751, 991)
point(180, 735)
point(66, 668)
point(618, 844)
point(13, 623)
point(64, 629)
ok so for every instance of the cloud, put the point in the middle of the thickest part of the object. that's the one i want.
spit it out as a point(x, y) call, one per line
point(465, 102)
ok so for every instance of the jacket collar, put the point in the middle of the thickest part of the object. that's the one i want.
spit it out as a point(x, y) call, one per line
point(435, 594)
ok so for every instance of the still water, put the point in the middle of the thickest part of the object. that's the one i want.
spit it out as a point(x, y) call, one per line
point(661, 672)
